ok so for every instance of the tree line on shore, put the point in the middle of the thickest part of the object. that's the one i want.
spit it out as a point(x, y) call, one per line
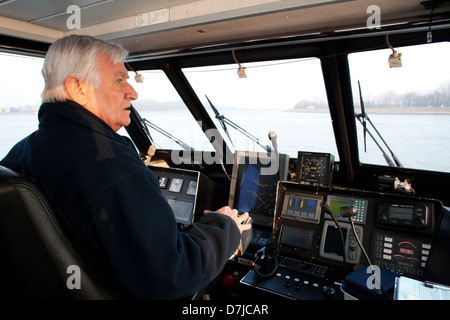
point(439, 98)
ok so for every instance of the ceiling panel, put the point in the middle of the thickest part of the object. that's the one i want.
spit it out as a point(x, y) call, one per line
point(52, 14)
point(312, 19)
point(193, 25)
point(29, 10)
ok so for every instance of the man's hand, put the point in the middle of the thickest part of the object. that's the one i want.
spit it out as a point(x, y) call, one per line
point(233, 214)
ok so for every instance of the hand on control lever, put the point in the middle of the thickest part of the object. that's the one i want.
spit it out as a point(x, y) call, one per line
point(241, 221)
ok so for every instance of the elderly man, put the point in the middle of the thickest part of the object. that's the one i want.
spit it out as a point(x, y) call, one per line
point(107, 199)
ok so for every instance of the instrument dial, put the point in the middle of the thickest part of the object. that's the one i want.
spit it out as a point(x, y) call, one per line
point(314, 168)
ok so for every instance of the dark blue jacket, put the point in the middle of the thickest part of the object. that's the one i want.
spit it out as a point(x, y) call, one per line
point(112, 206)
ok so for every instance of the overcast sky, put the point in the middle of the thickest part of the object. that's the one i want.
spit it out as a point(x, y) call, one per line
point(424, 69)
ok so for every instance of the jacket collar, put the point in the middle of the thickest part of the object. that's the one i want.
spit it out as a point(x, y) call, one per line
point(72, 112)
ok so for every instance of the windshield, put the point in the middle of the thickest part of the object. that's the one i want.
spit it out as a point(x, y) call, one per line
point(409, 106)
point(20, 97)
point(287, 97)
point(170, 123)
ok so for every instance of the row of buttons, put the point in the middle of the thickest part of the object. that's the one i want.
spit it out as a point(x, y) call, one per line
point(401, 256)
point(352, 246)
point(361, 210)
point(296, 282)
point(261, 238)
point(319, 271)
point(301, 213)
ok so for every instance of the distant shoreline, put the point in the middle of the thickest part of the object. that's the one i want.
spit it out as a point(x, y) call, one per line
point(12, 113)
point(432, 110)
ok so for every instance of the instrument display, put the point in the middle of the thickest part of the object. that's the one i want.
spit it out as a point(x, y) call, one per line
point(336, 202)
point(303, 207)
point(176, 184)
point(188, 193)
point(314, 168)
point(384, 229)
point(405, 254)
point(408, 215)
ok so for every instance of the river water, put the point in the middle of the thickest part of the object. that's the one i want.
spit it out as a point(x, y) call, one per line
point(419, 141)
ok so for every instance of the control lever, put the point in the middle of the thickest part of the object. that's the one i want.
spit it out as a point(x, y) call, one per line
point(265, 262)
point(150, 153)
point(246, 238)
point(273, 139)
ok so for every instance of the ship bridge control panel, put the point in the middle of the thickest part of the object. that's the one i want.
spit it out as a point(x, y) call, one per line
point(316, 245)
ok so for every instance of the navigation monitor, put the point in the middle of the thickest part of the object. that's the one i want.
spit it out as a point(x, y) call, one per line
point(254, 184)
point(182, 208)
point(297, 238)
point(336, 202)
point(331, 246)
point(302, 207)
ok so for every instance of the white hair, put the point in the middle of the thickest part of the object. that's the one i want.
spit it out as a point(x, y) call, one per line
point(75, 55)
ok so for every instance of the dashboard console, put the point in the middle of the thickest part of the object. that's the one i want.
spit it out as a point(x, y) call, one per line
point(316, 233)
point(318, 247)
point(189, 192)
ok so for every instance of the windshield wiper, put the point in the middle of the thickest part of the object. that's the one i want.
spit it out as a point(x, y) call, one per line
point(362, 117)
point(224, 120)
point(221, 119)
point(165, 133)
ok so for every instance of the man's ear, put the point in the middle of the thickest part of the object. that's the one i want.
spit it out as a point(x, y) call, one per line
point(76, 90)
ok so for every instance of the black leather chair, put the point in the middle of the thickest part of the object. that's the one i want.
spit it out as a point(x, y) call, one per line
point(35, 252)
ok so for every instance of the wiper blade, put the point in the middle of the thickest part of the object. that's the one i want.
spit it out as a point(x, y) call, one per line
point(363, 113)
point(222, 119)
point(362, 117)
point(168, 135)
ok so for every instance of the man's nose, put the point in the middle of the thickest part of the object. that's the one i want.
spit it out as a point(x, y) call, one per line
point(131, 93)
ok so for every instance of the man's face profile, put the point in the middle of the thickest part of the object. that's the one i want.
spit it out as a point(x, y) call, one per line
point(111, 101)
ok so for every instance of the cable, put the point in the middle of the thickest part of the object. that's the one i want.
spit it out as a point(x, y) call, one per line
point(241, 71)
point(349, 212)
point(390, 45)
point(359, 242)
point(350, 218)
point(265, 263)
point(326, 209)
point(429, 34)
point(234, 57)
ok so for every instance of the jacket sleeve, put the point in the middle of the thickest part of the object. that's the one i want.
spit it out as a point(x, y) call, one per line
point(152, 259)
